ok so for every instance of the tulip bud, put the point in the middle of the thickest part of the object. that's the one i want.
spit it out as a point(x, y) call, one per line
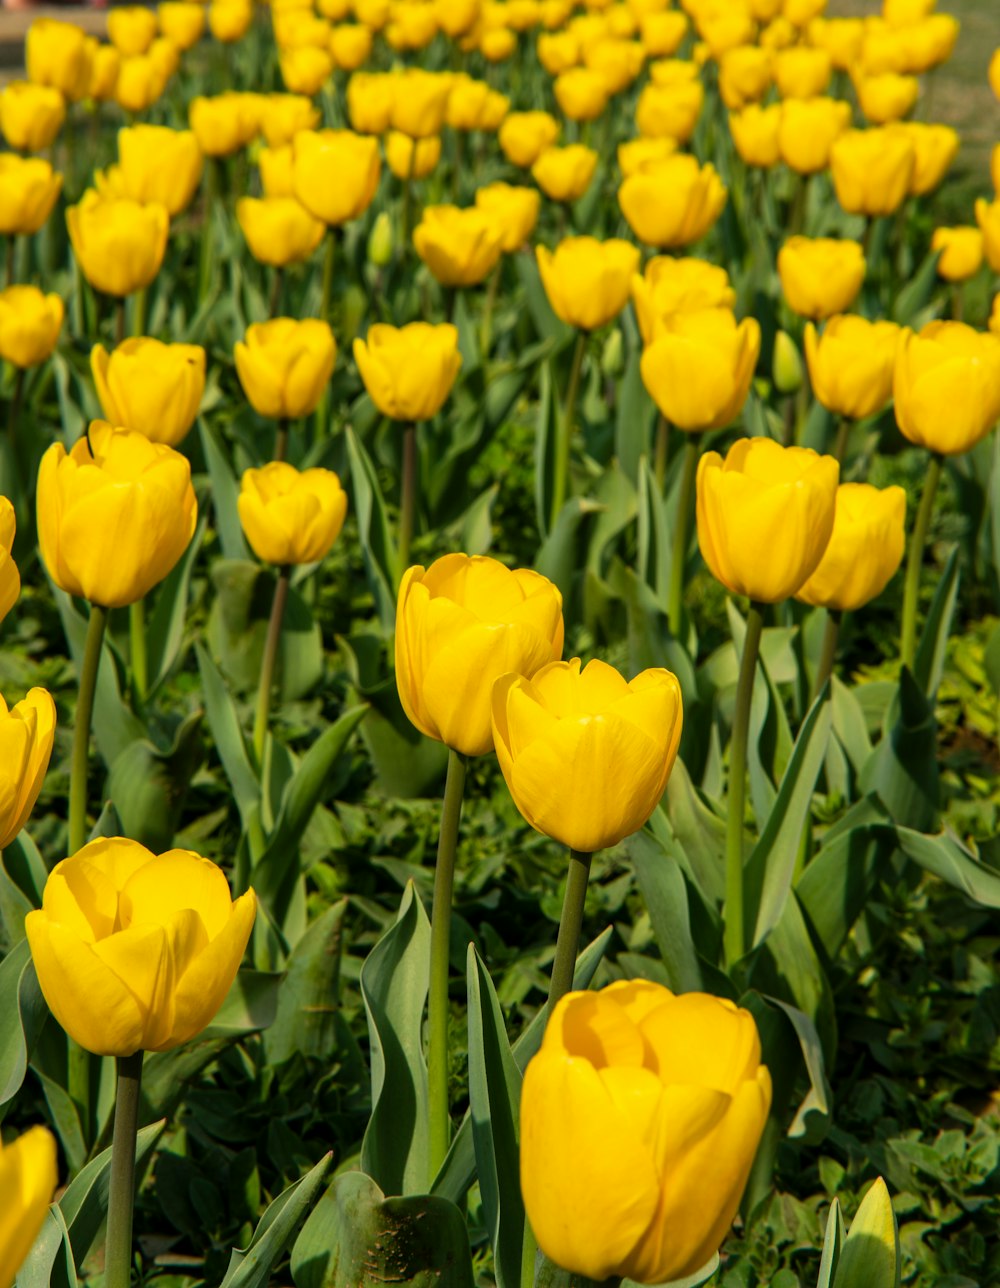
point(291, 517)
point(28, 1179)
point(27, 731)
point(787, 364)
point(612, 356)
point(380, 240)
point(409, 371)
point(285, 364)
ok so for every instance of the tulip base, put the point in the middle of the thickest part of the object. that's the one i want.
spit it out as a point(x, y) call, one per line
point(121, 1192)
point(734, 934)
point(914, 560)
point(570, 926)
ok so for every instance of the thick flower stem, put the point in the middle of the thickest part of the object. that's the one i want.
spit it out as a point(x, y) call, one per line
point(564, 439)
point(439, 1128)
point(840, 443)
point(570, 926)
point(682, 526)
point(734, 936)
point(828, 651)
point(139, 312)
point(274, 307)
point(407, 221)
point(914, 559)
point(281, 440)
point(81, 731)
point(119, 319)
point(407, 496)
point(137, 642)
point(121, 1192)
point(268, 661)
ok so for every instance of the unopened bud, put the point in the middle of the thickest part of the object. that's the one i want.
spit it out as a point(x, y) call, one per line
point(380, 241)
point(787, 364)
point(611, 356)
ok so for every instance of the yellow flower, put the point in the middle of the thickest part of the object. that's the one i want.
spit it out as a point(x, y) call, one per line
point(10, 578)
point(369, 102)
point(135, 951)
point(670, 285)
point(335, 173)
point(114, 515)
point(411, 158)
point(229, 20)
point(900, 13)
point(27, 732)
point(755, 134)
point(887, 97)
point(808, 129)
point(724, 28)
point(57, 54)
point(408, 371)
point(586, 754)
point(456, 17)
point(872, 170)
point(30, 323)
point(285, 364)
point(699, 366)
point(820, 276)
point(588, 281)
point(744, 75)
point(866, 548)
point(663, 32)
point(961, 252)
point(140, 83)
point(988, 219)
point(558, 52)
point(411, 25)
point(291, 517)
point(119, 244)
point(28, 191)
point(165, 55)
point(524, 136)
point(935, 148)
point(497, 44)
point(419, 100)
point(640, 1118)
point(946, 386)
point(224, 123)
point(305, 69)
point(513, 209)
point(28, 1179)
point(851, 364)
point(31, 115)
point(841, 38)
point(802, 72)
point(993, 72)
point(104, 69)
point(461, 624)
point(673, 71)
point(466, 102)
point(279, 230)
point(276, 171)
point(350, 46)
point(636, 154)
point(149, 386)
point(765, 515)
point(926, 44)
point(284, 115)
point(460, 247)
point(670, 110)
point(158, 164)
point(994, 323)
point(131, 29)
point(581, 94)
point(672, 203)
point(182, 21)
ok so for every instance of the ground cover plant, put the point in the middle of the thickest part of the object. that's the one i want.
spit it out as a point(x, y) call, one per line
point(499, 573)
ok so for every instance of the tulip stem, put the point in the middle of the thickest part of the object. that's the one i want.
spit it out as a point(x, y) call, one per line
point(137, 642)
point(682, 526)
point(564, 438)
point(212, 168)
point(407, 496)
point(119, 319)
point(828, 651)
point(139, 312)
point(734, 931)
point(661, 452)
point(439, 1126)
point(840, 443)
point(121, 1190)
point(328, 262)
point(486, 326)
point(14, 406)
point(281, 440)
point(570, 926)
point(11, 252)
point(81, 731)
point(276, 280)
point(268, 661)
point(914, 560)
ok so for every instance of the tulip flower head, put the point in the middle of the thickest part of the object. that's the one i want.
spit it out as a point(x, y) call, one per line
point(409, 371)
point(946, 386)
point(149, 386)
point(291, 517)
point(411, 158)
point(419, 102)
point(10, 578)
point(27, 731)
point(961, 252)
point(699, 366)
point(58, 54)
point(181, 21)
point(851, 363)
point(872, 170)
point(671, 110)
point(28, 1178)
point(588, 281)
point(460, 247)
point(808, 129)
point(134, 951)
point(670, 285)
point(820, 276)
point(224, 123)
point(755, 134)
point(565, 174)
point(640, 1118)
point(31, 115)
point(524, 136)
point(672, 203)
point(119, 244)
point(30, 323)
point(285, 364)
point(283, 115)
point(461, 624)
point(513, 209)
point(278, 230)
point(988, 219)
point(635, 154)
point(335, 173)
point(865, 548)
point(157, 164)
point(28, 191)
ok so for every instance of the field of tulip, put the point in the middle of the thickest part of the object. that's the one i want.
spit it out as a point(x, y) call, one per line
point(500, 648)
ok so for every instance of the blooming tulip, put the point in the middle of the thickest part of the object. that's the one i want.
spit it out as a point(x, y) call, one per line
point(808, 129)
point(461, 624)
point(369, 102)
point(467, 103)
point(581, 94)
point(350, 47)
point(151, 387)
point(276, 171)
point(988, 219)
point(456, 17)
point(564, 174)
point(28, 1179)
point(305, 69)
point(229, 20)
point(27, 732)
point(820, 276)
point(31, 115)
point(755, 134)
point(946, 386)
point(765, 515)
point(141, 81)
point(865, 548)
point(851, 364)
point(28, 191)
point(802, 72)
point(587, 281)
point(30, 323)
point(662, 33)
point(408, 371)
point(10, 578)
point(935, 148)
point(104, 69)
point(182, 21)
point(699, 366)
point(887, 97)
point(524, 136)
point(224, 123)
point(284, 115)
point(131, 29)
point(514, 210)
point(670, 110)
point(674, 202)
point(411, 158)
point(841, 38)
point(419, 102)
point(119, 244)
point(335, 173)
point(961, 252)
point(291, 517)
point(670, 285)
point(744, 76)
point(635, 154)
point(497, 44)
point(285, 364)
point(136, 951)
point(872, 170)
point(460, 247)
point(559, 52)
point(640, 1118)
point(279, 230)
point(58, 54)
point(157, 164)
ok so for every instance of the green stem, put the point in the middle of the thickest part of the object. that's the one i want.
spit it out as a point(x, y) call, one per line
point(570, 926)
point(486, 326)
point(11, 252)
point(328, 262)
point(14, 406)
point(81, 731)
point(139, 312)
point(914, 559)
point(268, 661)
point(437, 999)
point(828, 651)
point(275, 305)
point(529, 1251)
point(121, 1190)
point(404, 241)
point(119, 319)
point(675, 599)
point(565, 437)
point(734, 933)
point(407, 496)
point(137, 641)
point(281, 440)
point(840, 443)
point(661, 452)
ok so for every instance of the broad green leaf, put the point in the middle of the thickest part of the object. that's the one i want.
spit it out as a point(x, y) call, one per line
point(653, 535)
point(929, 665)
point(558, 557)
point(22, 1014)
point(948, 859)
point(165, 628)
point(903, 768)
point(839, 881)
point(665, 895)
point(251, 1267)
point(635, 416)
point(546, 433)
point(225, 494)
point(700, 831)
point(378, 545)
point(228, 736)
point(833, 1245)
point(870, 1256)
point(916, 293)
point(148, 786)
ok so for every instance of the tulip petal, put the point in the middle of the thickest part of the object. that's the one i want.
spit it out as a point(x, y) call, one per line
point(142, 959)
point(697, 1038)
point(28, 1179)
point(203, 986)
point(173, 882)
point(595, 1028)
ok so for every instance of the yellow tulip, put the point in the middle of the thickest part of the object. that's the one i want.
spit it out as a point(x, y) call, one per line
point(411, 158)
point(961, 252)
point(30, 323)
point(927, 44)
point(670, 110)
point(135, 951)
point(408, 371)
point(662, 33)
point(28, 191)
point(820, 276)
point(872, 170)
point(994, 322)
point(10, 578)
point(57, 54)
point(223, 123)
point(588, 281)
point(411, 25)
point(278, 230)
point(636, 154)
point(514, 210)
point(670, 285)
point(586, 754)
point(672, 203)
point(900, 13)
point(291, 517)
point(284, 365)
point(946, 386)
point(229, 20)
point(114, 514)
point(305, 69)
point(466, 103)
point(31, 115)
point(369, 102)
point(558, 52)
point(104, 70)
point(724, 29)
point(151, 387)
point(456, 17)
point(779, 34)
point(350, 46)
point(460, 247)
point(27, 732)
point(335, 173)
point(497, 44)
point(581, 94)
point(802, 72)
point(745, 75)
point(699, 366)
point(284, 115)
point(673, 71)
point(28, 1179)
point(419, 102)
point(801, 12)
point(851, 364)
point(119, 244)
point(841, 38)
point(988, 219)
point(755, 134)
point(276, 171)
point(158, 164)
point(374, 14)
point(640, 1118)
point(461, 624)
point(887, 97)
point(808, 129)
point(140, 83)
point(165, 55)
point(131, 29)
point(182, 21)
point(865, 550)
point(524, 136)
point(935, 148)
point(765, 515)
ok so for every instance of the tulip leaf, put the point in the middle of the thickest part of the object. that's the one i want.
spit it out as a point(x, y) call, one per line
point(833, 1244)
point(837, 883)
point(929, 664)
point(378, 546)
point(635, 415)
point(22, 1015)
point(228, 736)
point(476, 536)
point(494, 1101)
point(26, 867)
point(558, 557)
point(545, 321)
point(653, 535)
point(357, 1238)
point(65, 1120)
point(700, 831)
point(225, 494)
point(665, 895)
point(148, 786)
point(948, 859)
point(546, 434)
point(849, 724)
point(394, 989)
point(689, 1281)
point(916, 294)
point(903, 770)
point(870, 1256)
point(250, 1267)
point(165, 631)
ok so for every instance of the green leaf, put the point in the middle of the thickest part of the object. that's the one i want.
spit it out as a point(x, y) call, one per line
point(546, 433)
point(308, 1003)
point(148, 785)
point(870, 1258)
point(225, 494)
point(838, 882)
point(22, 1015)
point(635, 415)
point(665, 895)
point(558, 557)
point(394, 988)
point(165, 629)
point(229, 740)
point(916, 294)
point(251, 1267)
point(948, 859)
point(833, 1244)
point(378, 545)
point(494, 1100)
point(929, 665)
point(903, 768)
